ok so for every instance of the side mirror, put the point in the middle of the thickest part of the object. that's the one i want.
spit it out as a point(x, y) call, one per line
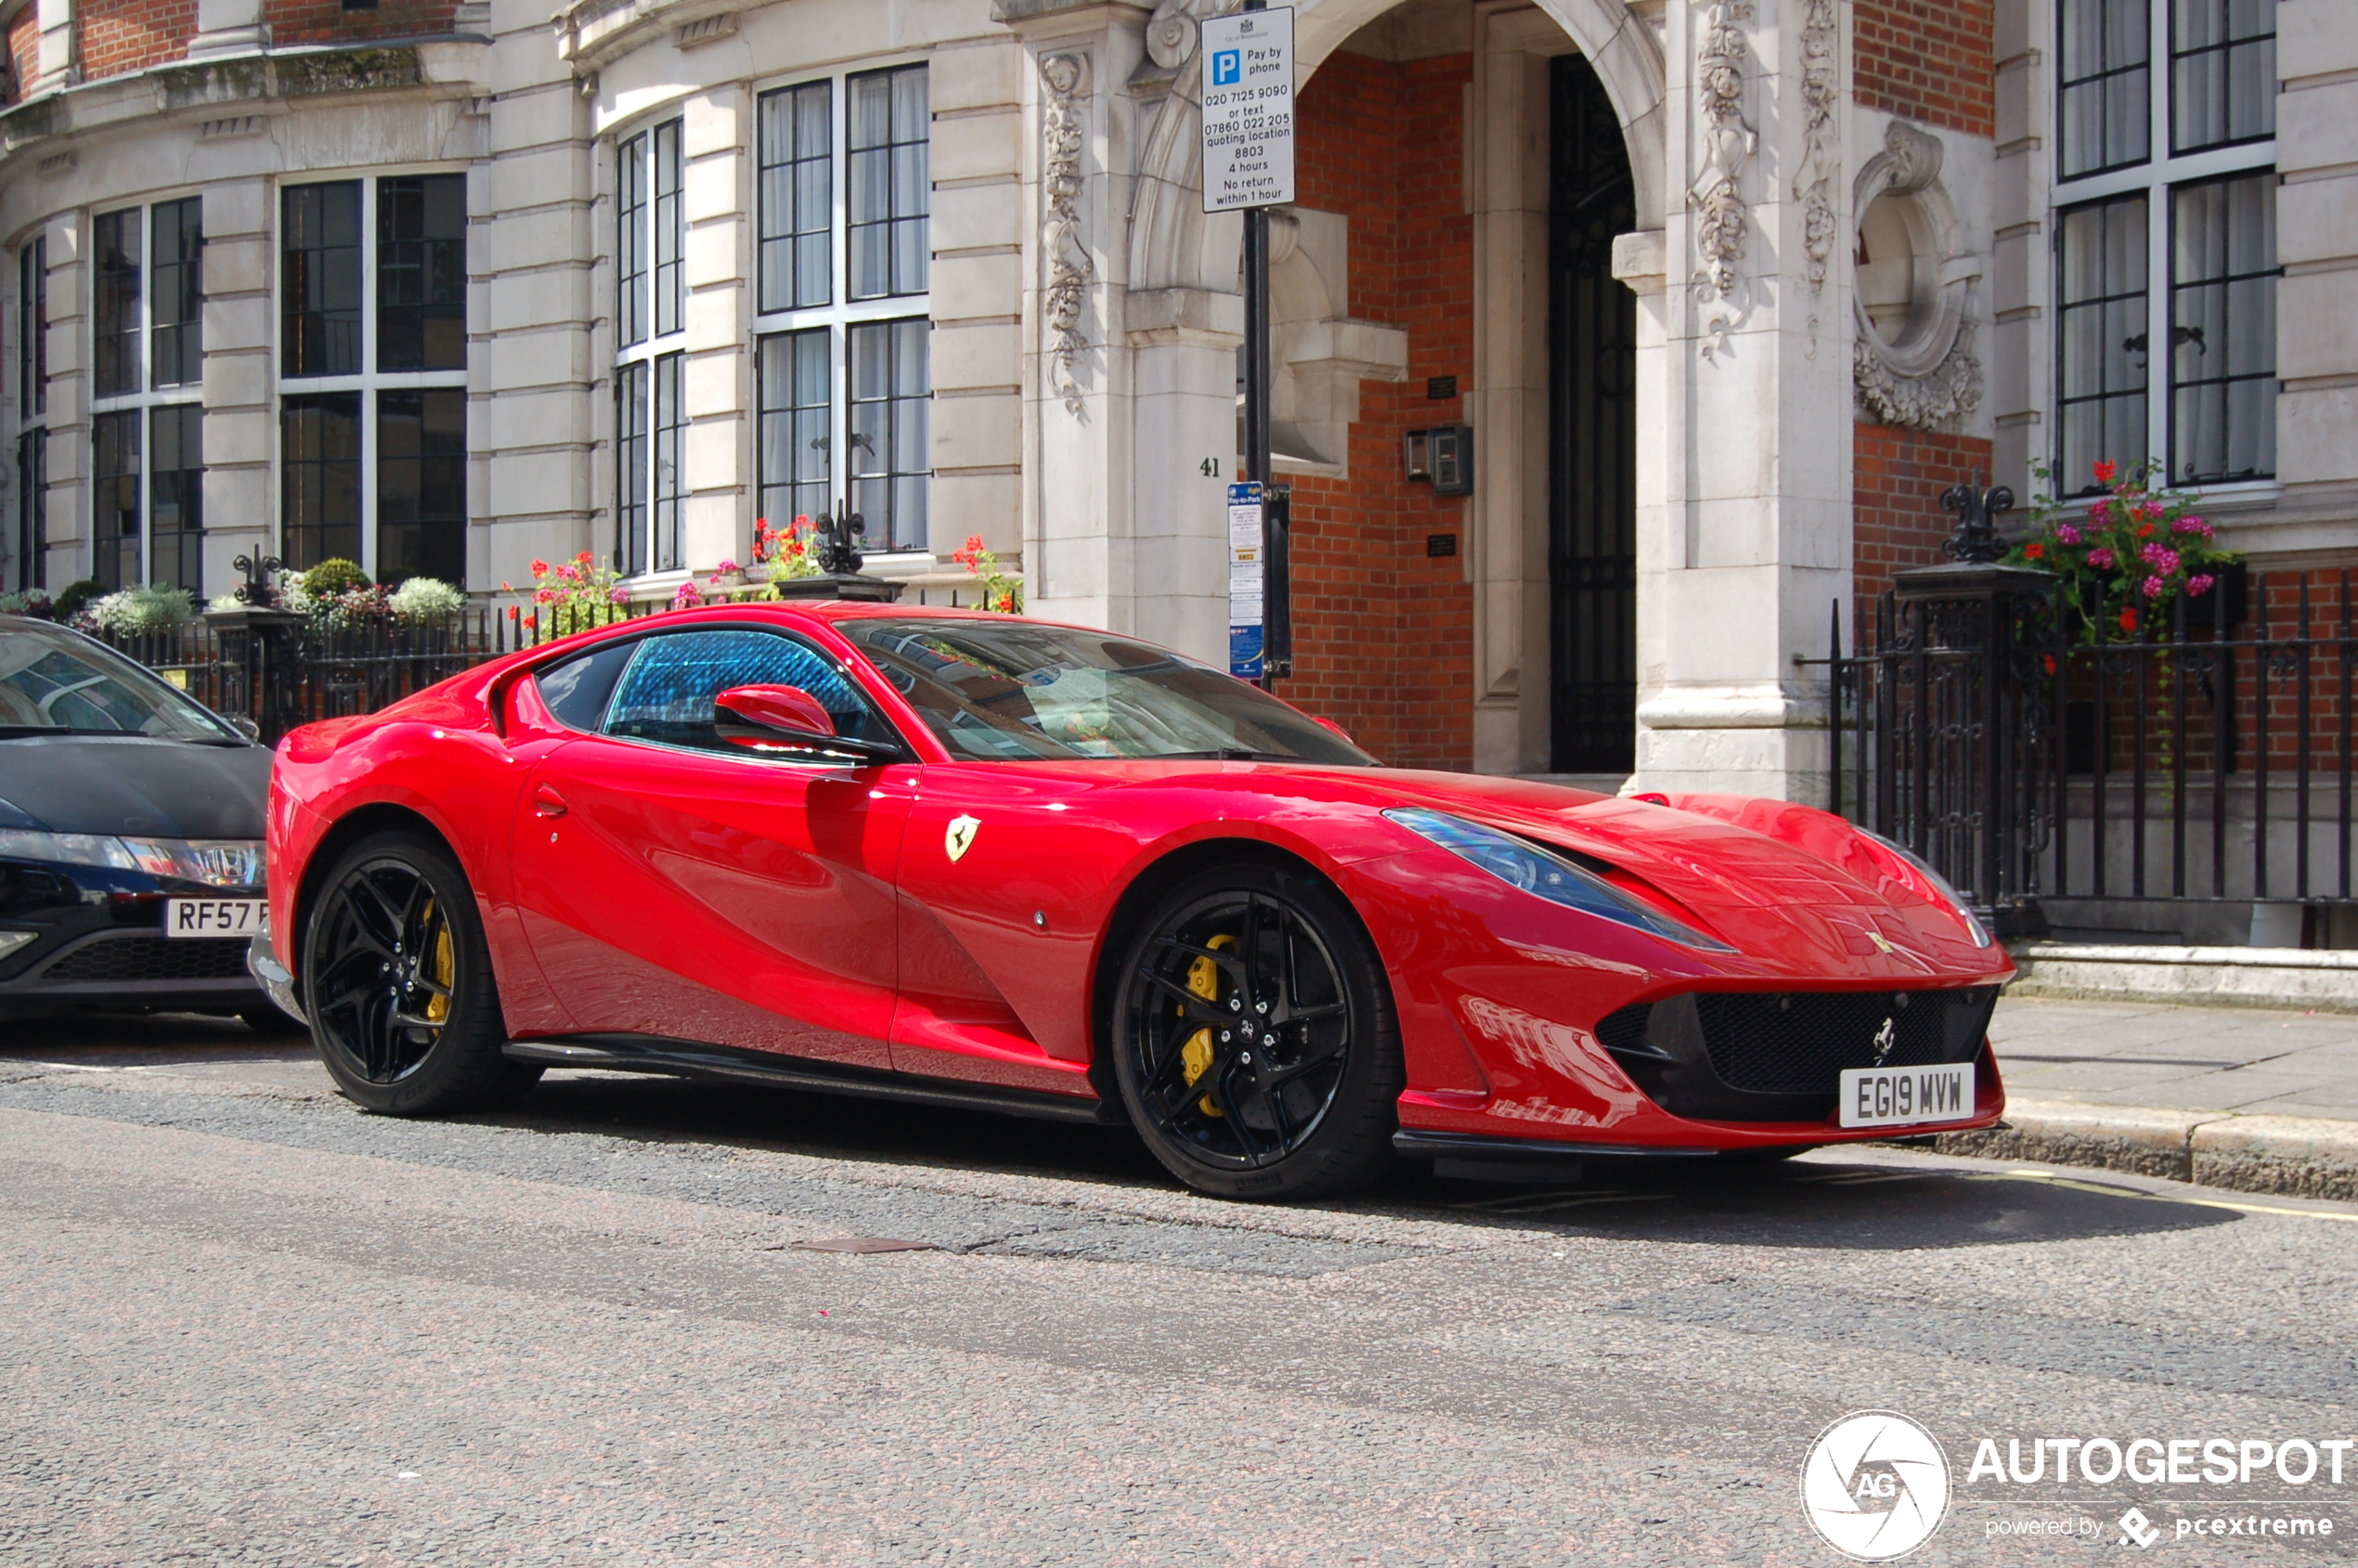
point(788, 721)
point(243, 725)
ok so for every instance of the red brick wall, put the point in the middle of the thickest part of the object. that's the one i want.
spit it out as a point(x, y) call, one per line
point(120, 35)
point(1933, 62)
point(1896, 484)
point(1383, 634)
point(326, 21)
point(24, 51)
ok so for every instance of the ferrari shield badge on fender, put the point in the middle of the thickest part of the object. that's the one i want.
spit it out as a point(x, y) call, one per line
point(960, 836)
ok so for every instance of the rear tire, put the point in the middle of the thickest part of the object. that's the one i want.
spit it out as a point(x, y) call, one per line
point(397, 980)
point(1254, 1043)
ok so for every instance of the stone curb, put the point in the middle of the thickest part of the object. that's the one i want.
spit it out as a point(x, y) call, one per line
point(2215, 977)
point(2292, 1156)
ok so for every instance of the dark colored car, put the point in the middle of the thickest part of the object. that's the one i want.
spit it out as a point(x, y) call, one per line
point(131, 829)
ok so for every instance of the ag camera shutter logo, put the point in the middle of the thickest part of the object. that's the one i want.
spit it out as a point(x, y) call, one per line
point(1875, 1486)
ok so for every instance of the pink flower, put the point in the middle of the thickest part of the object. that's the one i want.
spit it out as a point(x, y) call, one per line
point(618, 596)
point(2154, 588)
point(2067, 534)
point(2100, 512)
point(2100, 558)
point(2199, 584)
point(2160, 557)
point(726, 565)
point(688, 598)
point(2153, 509)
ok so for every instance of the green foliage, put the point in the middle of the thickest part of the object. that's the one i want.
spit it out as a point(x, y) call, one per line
point(426, 599)
point(132, 611)
point(2129, 559)
point(73, 596)
point(1000, 591)
point(334, 577)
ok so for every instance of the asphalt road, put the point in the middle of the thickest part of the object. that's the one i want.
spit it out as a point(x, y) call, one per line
point(247, 1323)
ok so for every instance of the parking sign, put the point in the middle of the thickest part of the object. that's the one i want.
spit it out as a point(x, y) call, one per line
point(1248, 110)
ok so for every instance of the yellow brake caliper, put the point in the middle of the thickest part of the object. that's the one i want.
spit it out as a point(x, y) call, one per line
point(1195, 1057)
point(438, 1007)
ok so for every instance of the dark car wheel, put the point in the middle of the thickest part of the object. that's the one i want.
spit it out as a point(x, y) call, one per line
point(1255, 1043)
point(397, 982)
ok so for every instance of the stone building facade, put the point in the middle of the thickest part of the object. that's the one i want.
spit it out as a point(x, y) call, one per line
point(1727, 290)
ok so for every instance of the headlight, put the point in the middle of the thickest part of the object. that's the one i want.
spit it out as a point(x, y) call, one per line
point(1547, 875)
point(218, 862)
point(1973, 926)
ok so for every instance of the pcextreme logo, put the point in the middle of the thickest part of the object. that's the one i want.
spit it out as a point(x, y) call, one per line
point(1875, 1486)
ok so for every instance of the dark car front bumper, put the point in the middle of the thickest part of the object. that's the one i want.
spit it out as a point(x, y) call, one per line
point(99, 945)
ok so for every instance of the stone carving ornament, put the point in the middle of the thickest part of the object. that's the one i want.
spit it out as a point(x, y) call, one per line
point(1722, 221)
point(1813, 186)
point(1068, 264)
point(1921, 371)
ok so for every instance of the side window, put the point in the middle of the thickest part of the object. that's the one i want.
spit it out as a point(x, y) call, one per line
point(667, 693)
point(576, 691)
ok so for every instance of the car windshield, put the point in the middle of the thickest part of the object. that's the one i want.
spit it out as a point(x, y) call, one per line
point(54, 680)
point(1004, 689)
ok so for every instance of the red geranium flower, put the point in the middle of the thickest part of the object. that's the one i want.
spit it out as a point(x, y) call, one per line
point(2105, 472)
point(2127, 620)
point(539, 568)
point(2034, 551)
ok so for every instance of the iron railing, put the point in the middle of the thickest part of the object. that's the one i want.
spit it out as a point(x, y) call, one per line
point(2204, 760)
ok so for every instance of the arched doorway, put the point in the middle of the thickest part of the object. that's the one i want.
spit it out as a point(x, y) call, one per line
point(1592, 423)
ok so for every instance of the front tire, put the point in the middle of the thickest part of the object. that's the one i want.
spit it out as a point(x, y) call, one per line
point(397, 980)
point(1254, 1040)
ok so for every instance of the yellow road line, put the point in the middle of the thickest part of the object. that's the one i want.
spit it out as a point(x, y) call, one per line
point(2109, 1190)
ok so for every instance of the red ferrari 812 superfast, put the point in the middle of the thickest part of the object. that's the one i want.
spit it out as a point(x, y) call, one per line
point(973, 859)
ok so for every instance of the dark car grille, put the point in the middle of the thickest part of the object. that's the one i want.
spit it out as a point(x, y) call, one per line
point(152, 958)
point(1778, 1056)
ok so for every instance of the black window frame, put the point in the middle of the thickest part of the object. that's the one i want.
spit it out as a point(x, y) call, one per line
point(421, 272)
point(118, 250)
point(320, 335)
point(308, 538)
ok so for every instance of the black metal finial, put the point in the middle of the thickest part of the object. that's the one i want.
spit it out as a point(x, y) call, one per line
point(1975, 540)
point(839, 542)
point(256, 589)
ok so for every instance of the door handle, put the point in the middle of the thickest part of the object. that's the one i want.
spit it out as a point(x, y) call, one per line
point(547, 802)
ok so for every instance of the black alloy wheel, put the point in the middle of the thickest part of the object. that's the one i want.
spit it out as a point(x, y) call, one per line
point(1255, 1043)
point(398, 982)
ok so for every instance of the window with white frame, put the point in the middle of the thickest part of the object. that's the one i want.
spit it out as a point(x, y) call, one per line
point(2166, 239)
point(146, 412)
point(650, 315)
point(372, 374)
point(32, 414)
point(843, 327)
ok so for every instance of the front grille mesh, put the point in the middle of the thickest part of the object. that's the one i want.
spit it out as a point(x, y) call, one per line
point(152, 958)
point(1779, 1055)
point(1799, 1043)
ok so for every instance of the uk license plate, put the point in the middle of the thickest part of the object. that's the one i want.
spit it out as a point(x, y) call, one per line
point(214, 918)
point(1907, 1096)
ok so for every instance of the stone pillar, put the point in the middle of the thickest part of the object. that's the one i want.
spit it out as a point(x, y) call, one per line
point(717, 447)
point(532, 436)
point(2317, 241)
point(977, 419)
point(239, 500)
point(229, 27)
point(68, 447)
point(1752, 541)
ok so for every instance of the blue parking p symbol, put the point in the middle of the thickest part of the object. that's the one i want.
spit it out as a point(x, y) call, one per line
point(1228, 65)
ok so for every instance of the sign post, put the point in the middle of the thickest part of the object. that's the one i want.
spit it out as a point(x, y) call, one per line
point(1249, 167)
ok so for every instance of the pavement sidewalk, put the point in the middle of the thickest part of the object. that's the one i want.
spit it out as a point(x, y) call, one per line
point(2260, 1101)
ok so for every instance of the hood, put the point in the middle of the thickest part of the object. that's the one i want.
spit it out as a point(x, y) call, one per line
point(129, 784)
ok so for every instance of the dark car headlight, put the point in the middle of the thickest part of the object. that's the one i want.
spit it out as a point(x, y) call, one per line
point(218, 862)
point(1522, 864)
point(1940, 885)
